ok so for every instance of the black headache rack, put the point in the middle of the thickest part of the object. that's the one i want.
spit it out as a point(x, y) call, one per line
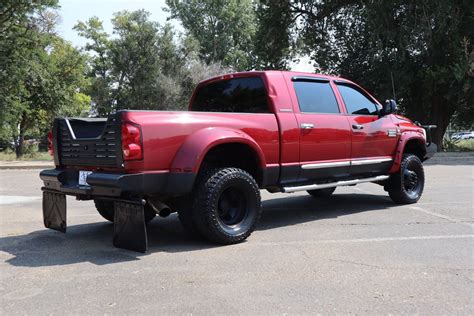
point(93, 142)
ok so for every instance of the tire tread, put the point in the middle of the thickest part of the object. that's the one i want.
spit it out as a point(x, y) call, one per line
point(206, 220)
point(397, 191)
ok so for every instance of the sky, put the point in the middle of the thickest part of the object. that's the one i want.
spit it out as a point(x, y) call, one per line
point(72, 11)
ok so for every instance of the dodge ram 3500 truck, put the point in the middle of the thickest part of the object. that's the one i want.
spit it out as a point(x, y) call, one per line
point(274, 130)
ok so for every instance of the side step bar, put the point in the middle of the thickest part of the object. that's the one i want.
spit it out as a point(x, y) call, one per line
point(333, 184)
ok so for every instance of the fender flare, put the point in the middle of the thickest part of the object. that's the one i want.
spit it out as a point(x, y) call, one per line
point(405, 137)
point(190, 155)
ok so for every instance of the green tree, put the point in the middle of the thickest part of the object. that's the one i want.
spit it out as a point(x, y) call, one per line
point(225, 30)
point(274, 44)
point(49, 86)
point(100, 65)
point(431, 73)
point(130, 69)
point(143, 66)
point(41, 75)
point(426, 46)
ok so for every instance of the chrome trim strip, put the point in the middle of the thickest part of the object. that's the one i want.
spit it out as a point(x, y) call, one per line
point(70, 129)
point(369, 161)
point(326, 165)
point(333, 184)
point(345, 163)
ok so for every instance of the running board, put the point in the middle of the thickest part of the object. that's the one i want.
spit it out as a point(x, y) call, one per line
point(333, 184)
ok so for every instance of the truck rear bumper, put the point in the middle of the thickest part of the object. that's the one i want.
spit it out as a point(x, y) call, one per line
point(118, 185)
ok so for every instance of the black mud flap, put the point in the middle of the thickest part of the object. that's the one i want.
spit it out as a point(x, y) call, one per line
point(129, 227)
point(54, 211)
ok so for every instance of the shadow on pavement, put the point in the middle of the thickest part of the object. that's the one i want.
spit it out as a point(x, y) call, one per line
point(93, 242)
point(287, 211)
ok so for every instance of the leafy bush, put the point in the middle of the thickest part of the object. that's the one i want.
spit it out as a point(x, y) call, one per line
point(453, 144)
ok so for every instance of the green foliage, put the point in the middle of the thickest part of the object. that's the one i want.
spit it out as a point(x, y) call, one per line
point(425, 45)
point(31, 153)
point(40, 74)
point(225, 30)
point(274, 44)
point(451, 144)
point(143, 66)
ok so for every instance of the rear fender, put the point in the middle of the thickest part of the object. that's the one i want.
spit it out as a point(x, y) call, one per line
point(191, 154)
point(406, 137)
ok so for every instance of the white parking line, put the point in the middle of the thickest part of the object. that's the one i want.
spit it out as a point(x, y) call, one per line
point(416, 208)
point(362, 240)
point(15, 199)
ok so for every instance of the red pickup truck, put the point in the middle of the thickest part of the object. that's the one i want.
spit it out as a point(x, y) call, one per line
point(274, 130)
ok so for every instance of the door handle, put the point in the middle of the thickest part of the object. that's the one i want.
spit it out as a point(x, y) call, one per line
point(357, 126)
point(306, 126)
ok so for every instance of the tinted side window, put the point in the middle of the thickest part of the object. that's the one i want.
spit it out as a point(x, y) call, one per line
point(244, 95)
point(315, 97)
point(356, 102)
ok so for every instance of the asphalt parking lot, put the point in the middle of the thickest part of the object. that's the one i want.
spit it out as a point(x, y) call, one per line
point(355, 252)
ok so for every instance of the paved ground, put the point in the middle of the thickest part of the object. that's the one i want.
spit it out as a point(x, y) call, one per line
point(356, 252)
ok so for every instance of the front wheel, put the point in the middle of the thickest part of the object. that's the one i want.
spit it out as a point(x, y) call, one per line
point(227, 205)
point(407, 185)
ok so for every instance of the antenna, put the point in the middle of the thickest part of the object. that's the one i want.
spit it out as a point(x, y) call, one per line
point(393, 87)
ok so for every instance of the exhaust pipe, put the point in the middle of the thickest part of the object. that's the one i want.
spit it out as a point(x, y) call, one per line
point(159, 207)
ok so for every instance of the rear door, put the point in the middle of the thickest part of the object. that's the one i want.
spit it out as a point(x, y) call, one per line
point(325, 135)
point(374, 138)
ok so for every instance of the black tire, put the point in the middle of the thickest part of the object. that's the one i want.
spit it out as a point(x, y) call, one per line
point(107, 210)
point(406, 186)
point(322, 192)
point(226, 206)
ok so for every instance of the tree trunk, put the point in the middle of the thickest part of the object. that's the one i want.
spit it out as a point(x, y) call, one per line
point(441, 114)
point(19, 142)
point(438, 133)
point(19, 146)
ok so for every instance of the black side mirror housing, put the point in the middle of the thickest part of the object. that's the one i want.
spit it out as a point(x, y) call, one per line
point(389, 107)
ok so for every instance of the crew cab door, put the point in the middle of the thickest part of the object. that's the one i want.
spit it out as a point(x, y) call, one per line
point(374, 138)
point(325, 135)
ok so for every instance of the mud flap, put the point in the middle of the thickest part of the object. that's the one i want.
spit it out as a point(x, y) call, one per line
point(129, 227)
point(54, 211)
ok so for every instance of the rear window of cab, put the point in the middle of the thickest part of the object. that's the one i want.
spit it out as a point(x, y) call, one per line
point(240, 95)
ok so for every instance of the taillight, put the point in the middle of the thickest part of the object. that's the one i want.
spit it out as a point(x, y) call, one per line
point(50, 143)
point(131, 142)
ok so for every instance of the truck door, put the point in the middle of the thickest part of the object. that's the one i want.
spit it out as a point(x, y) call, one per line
point(325, 134)
point(374, 138)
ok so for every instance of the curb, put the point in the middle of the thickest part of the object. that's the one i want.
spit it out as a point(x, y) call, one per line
point(11, 165)
point(26, 167)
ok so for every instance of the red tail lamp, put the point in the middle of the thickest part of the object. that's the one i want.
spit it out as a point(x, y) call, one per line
point(131, 142)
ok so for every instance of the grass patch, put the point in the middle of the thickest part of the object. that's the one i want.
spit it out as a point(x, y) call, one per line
point(465, 145)
point(35, 156)
point(450, 144)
